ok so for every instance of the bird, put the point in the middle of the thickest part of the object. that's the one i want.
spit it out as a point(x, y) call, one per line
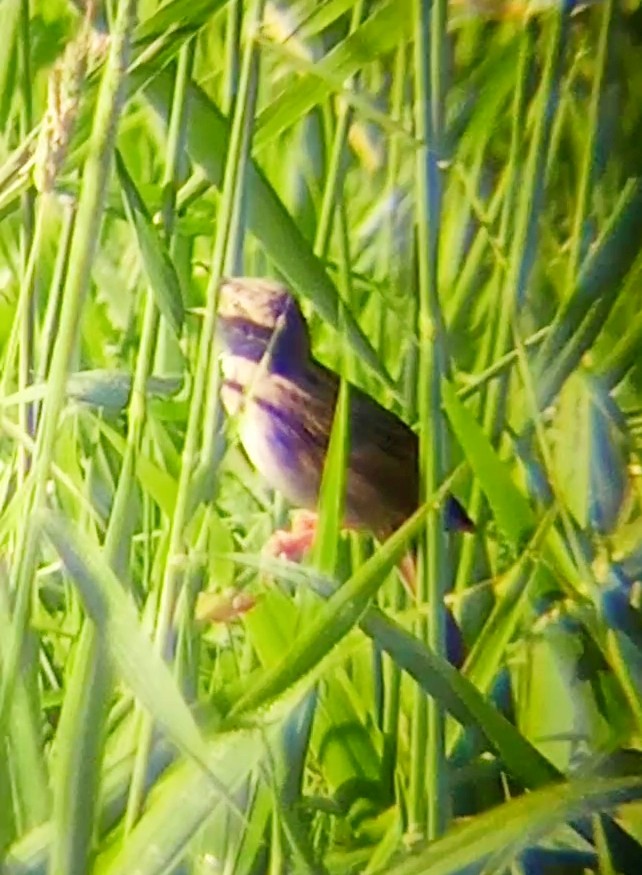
point(287, 401)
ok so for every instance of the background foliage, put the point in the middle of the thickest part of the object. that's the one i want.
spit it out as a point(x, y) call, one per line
point(454, 196)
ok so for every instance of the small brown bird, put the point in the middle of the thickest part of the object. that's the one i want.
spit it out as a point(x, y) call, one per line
point(288, 401)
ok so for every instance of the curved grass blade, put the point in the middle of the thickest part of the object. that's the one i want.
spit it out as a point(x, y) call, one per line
point(440, 679)
point(128, 648)
point(161, 838)
point(186, 16)
point(206, 141)
point(333, 622)
point(589, 453)
point(517, 823)
point(435, 675)
point(156, 260)
point(389, 24)
point(599, 282)
point(97, 388)
point(512, 512)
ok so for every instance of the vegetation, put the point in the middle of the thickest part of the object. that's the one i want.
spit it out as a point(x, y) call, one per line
point(454, 196)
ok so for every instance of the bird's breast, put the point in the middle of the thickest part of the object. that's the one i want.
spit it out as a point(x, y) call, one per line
point(271, 431)
point(238, 375)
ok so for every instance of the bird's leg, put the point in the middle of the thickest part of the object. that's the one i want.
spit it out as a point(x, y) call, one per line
point(229, 605)
point(296, 542)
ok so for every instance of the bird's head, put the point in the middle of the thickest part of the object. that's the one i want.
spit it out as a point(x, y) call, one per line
point(258, 316)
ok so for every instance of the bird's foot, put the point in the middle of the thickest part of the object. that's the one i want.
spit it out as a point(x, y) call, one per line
point(231, 604)
point(296, 542)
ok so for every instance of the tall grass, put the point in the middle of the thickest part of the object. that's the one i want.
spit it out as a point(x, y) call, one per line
point(452, 193)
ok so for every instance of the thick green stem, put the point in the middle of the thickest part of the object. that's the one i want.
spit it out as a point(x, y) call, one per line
point(177, 562)
point(428, 796)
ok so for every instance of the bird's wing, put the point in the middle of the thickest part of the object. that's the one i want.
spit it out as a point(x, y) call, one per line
point(383, 487)
point(382, 464)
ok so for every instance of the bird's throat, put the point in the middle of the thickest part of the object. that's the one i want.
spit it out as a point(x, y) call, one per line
point(238, 375)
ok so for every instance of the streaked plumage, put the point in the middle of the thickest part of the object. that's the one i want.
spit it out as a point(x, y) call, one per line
point(288, 401)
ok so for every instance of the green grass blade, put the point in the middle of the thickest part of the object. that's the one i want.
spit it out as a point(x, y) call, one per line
point(332, 623)
point(128, 647)
point(510, 508)
point(388, 25)
point(518, 823)
point(156, 259)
